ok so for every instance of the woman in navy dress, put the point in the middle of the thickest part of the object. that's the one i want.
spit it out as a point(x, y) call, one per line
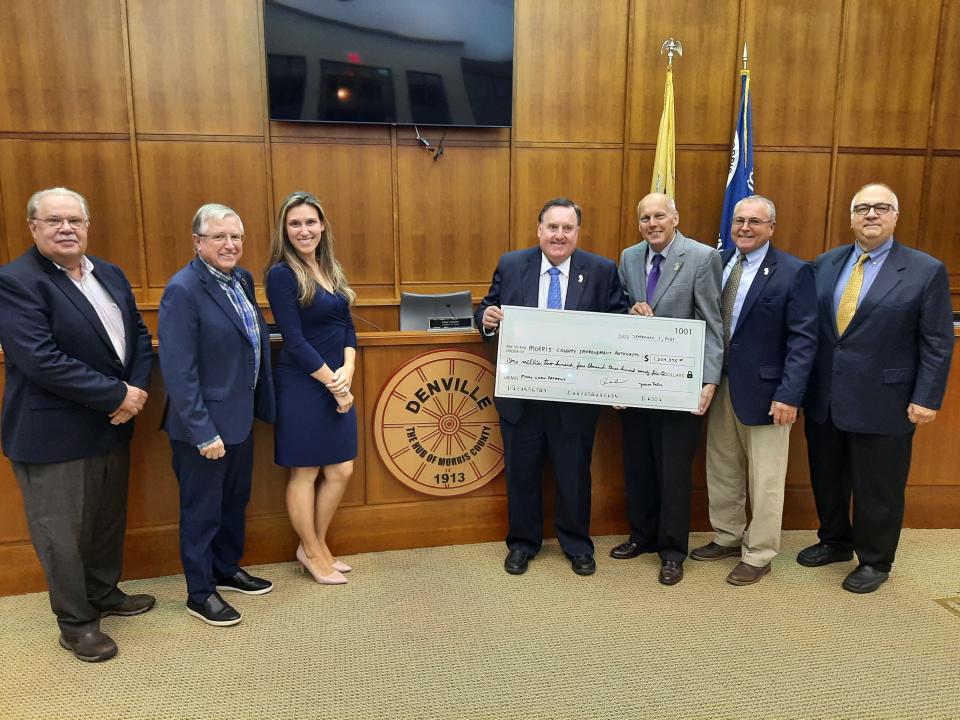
point(316, 428)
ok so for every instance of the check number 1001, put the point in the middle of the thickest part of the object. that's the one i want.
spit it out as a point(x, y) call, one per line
point(447, 478)
point(684, 331)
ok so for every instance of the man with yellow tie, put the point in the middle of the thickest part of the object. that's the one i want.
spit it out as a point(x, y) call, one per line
point(885, 342)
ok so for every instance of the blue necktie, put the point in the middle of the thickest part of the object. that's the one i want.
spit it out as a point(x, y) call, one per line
point(654, 277)
point(553, 294)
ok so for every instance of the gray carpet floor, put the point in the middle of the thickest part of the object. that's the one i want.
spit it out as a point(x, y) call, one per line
point(445, 633)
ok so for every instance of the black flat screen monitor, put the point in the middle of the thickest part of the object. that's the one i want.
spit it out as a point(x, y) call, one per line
point(400, 62)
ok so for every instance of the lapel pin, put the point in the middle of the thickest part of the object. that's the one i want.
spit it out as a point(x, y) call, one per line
point(676, 266)
point(766, 271)
point(580, 278)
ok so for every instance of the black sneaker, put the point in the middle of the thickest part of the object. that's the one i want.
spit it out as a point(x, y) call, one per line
point(214, 611)
point(246, 583)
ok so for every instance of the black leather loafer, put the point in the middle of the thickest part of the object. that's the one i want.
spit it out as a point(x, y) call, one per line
point(823, 554)
point(214, 611)
point(583, 564)
point(516, 562)
point(627, 550)
point(93, 646)
point(131, 605)
point(670, 573)
point(865, 579)
point(246, 583)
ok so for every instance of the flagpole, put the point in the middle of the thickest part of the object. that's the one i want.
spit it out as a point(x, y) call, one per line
point(740, 181)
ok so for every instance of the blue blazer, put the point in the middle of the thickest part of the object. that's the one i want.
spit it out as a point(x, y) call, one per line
point(896, 350)
point(516, 281)
point(64, 377)
point(206, 360)
point(772, 347)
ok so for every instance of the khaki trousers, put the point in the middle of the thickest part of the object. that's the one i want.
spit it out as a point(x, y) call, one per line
point(741, 460)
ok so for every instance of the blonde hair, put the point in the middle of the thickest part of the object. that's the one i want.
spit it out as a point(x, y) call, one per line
point(282, 250)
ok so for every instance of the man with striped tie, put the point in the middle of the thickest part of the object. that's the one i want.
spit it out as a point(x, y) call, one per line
point(885, 342)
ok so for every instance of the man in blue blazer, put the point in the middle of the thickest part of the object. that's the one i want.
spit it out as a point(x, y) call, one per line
point(886, 339)
point(553, 275)
point(667, 274)
point(215, 360)
point(768, 306)
point(77, 360)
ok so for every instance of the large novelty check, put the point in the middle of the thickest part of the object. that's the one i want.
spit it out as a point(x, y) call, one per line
point(600, 358)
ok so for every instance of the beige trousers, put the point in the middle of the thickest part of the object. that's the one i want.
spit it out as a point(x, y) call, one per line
point(741, 460)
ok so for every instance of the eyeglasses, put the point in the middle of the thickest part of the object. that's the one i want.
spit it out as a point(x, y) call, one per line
point(878, 208)
point(750, 222)
point(55, 222)
point(223, 237)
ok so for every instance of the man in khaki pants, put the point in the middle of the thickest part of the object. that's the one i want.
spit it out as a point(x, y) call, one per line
point(769, 309)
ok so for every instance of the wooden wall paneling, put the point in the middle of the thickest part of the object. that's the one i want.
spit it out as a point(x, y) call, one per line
point(61, 67)
point(14, 526)
point(196, 66)
point(941, 235)
point(705, 82)
point(946, 127)
point(354, 187)
point(589, 176)
point(798, 183)
point(570, 70)
point(936, 453)
point(454, 216)
point(380, 364)
point(376, 318)
point(903, 173)
point(888, 73)
point(100, 170)
point(794, 50)
point(176, 178)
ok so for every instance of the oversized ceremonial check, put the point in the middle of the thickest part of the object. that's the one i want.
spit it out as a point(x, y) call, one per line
point(600, 358)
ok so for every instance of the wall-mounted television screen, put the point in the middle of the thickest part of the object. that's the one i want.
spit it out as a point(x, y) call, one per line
point(402, 62)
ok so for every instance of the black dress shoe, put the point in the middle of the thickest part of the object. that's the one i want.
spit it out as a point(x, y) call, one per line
point(516, 562)
point(627, 550)
point(93, 646)
point(865, 579)
point(214, 611)
point(823, 554)
point(670, 573)
point(246, 583)
point(583, 564)
point(131, 605)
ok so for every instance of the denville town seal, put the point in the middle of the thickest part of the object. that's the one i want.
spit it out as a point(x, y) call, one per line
point(435, 425)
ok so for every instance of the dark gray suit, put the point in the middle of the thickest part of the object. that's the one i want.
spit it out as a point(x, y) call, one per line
point(659, 445)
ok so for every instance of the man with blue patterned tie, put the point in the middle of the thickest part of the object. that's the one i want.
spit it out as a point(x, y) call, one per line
point(554, 275)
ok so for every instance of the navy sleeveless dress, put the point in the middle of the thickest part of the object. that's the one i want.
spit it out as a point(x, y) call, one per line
point(309, 432)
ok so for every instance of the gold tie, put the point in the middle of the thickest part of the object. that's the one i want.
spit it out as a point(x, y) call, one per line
point(848, 301)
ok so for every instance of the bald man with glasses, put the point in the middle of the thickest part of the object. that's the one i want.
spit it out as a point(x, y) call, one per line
point(885, 343)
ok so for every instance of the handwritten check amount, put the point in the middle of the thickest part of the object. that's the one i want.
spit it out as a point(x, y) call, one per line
point(600, 358)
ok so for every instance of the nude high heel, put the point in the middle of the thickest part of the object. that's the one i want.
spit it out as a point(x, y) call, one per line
point(334, 578)
point(341, 566)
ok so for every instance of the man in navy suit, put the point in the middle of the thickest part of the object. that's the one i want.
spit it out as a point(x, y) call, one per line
point(554, 275)
point(886, 339)
point(215, 360)
point(77, 359)
point(768, 306)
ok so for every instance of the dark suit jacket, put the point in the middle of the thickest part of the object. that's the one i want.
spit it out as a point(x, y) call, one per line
point(772, 347)
point(896, 350)
point(64, 377)
point(516, 281)
point(206, 360)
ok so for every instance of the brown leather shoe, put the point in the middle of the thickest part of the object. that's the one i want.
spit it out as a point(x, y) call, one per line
point(744, 574)
point(712, 551)
point(89, 647)
point(131, 605)
point(670, 572)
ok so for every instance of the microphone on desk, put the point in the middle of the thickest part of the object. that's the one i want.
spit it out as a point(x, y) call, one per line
point(373, 325)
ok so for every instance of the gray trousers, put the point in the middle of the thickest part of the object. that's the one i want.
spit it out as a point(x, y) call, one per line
point(77, 515)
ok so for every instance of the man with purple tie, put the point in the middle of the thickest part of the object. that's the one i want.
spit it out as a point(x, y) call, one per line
point(667, 275)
